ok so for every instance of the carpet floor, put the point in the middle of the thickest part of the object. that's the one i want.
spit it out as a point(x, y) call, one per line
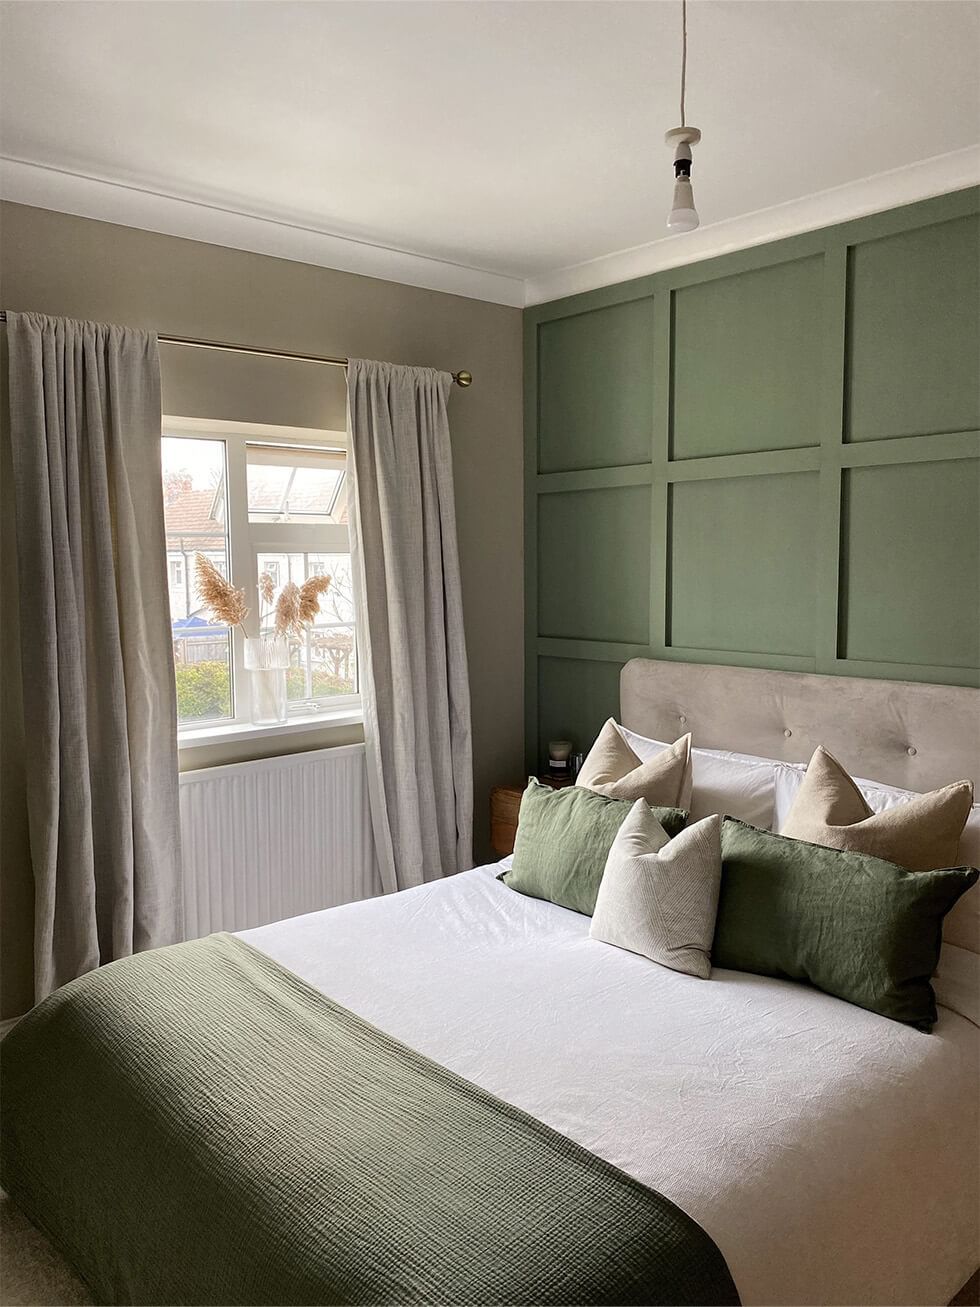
point(32, 1272)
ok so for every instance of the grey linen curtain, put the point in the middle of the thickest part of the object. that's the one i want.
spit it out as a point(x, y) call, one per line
point(414, 680)
point(100, 716)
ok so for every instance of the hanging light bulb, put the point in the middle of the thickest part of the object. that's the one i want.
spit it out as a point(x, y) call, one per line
point(683, 215)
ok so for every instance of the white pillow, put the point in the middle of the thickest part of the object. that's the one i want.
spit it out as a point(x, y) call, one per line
point(789, 778)
point(732, 784)
point(957, 981)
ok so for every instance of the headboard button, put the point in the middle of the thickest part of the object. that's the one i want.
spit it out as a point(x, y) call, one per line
point(911, 751)
point(788, 733)
point(682, 719)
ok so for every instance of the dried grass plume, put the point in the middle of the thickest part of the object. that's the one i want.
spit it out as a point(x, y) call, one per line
point(225, 601)
point(267, 587)
point(299, 605)
point(287, 610)
point(309, 596)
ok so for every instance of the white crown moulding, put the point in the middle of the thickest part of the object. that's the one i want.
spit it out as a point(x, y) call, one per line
point(130, 206)
point(89, 197)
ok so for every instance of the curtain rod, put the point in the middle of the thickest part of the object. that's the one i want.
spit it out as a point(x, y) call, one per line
point(463, 379)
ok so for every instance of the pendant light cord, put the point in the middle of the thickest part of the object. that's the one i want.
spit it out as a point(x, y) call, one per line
point(683, 60)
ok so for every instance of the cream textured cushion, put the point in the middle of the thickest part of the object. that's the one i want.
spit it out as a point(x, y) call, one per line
point(659, 897)
point(920, 835)
point(613, 769)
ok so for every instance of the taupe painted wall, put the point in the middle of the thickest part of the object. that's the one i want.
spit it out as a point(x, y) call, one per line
point(74, 267)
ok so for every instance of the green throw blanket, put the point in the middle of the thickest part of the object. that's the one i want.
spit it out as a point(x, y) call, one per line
point(197, 1125)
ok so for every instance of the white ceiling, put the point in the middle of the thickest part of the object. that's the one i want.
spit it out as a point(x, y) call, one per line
point(519, 138)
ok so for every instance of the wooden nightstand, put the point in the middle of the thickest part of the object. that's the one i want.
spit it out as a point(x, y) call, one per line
point(505, 804)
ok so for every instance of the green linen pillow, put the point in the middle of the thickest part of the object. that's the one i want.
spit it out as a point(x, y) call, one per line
point(563, 840)
point(854, 926)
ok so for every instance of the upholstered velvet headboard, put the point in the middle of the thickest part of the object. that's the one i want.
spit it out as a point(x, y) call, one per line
point(914, 736)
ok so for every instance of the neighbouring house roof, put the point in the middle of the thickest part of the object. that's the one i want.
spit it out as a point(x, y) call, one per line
point(188, 515)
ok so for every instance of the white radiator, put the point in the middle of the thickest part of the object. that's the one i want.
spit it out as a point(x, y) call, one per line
point(272, 839)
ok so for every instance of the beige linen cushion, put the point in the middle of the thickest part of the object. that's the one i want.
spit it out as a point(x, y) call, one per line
point(921, 835)
point(659, 897)
point(962, 923)
point(613, 769)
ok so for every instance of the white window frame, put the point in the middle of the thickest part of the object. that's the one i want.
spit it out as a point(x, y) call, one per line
point(246, 540)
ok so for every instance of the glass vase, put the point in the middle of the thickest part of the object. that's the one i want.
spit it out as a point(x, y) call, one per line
point(267, 661)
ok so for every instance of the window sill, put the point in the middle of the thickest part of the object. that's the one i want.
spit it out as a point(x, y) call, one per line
point(352, 715)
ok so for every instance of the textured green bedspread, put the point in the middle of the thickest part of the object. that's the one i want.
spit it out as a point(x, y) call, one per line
point(197, 1125)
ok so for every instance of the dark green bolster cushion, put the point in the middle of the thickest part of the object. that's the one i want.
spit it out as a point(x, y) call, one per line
point(854, 926)
point(563, 840)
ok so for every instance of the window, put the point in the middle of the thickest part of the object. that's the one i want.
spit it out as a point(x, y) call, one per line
point(194, 473)
point(302, 485)
point(258, 502)
point(324, 665)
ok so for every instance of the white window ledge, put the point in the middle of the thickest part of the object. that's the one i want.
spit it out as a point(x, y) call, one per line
point(224, 732)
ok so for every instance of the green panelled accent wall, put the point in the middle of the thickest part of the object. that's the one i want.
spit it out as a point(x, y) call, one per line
point(769, 459)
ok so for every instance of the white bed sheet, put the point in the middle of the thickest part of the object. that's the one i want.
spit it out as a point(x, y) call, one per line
point(830, 1153)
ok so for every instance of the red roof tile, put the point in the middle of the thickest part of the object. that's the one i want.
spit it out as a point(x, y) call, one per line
point(190, 513)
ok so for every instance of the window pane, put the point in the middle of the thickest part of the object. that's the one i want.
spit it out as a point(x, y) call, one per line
point(288, 484)
point(324, 660)
point(337, 605)
point(332, 661)
point(194, 511)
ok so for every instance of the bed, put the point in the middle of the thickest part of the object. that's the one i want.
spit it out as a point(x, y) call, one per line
point(824, 1153)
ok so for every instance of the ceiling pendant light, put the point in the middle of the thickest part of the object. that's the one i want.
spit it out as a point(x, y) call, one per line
point(683, 215)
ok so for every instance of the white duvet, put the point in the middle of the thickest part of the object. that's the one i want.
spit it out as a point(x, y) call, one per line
point(830, 1153)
